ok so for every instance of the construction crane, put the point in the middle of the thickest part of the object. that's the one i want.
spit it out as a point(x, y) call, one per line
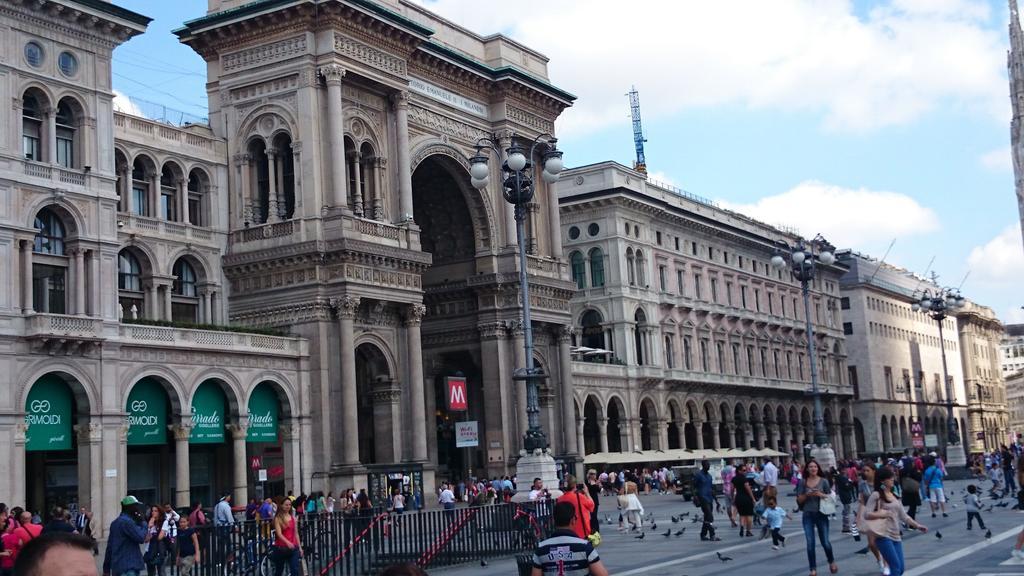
point(638, 131)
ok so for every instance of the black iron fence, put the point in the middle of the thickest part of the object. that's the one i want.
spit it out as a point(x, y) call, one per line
point(359, 544)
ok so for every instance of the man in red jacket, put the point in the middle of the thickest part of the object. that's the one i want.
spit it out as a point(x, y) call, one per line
point(576, 494)
point(24, 533)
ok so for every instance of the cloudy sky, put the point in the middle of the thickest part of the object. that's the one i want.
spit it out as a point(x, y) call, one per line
point(869, 121)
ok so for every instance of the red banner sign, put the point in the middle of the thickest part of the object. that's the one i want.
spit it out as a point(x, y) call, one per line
point(457, 400)
point(255, 462)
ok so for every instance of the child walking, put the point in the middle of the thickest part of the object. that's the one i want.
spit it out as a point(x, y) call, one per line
point(973, 506)
point(774, 515)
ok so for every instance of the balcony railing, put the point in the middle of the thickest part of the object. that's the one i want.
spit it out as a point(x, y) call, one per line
point(147, 225)
point(210, 339)
point(56, 174)
point(63, 326)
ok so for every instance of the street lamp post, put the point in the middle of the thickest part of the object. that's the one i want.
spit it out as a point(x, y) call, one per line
point(939, 303)
point(803, 261)
point(518, 190)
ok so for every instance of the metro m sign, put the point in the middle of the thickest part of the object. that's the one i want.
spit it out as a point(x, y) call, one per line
point(457, 401)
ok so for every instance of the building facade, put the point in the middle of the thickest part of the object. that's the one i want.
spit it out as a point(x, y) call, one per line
point(1015, 72)
point(895, 358)
point(686, 337)
point(352, 223)
point(180, 304)
point(1011, 349)
point(1015, 403)
point(980, 335)
point(112, 300)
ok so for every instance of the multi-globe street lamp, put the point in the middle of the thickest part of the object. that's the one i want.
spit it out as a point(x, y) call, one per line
point(803, 260)
point(518, 189)
point(939, 303)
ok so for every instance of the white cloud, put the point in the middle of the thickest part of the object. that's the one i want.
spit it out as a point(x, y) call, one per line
point(846, 217)
point(122, 103)
point(1000, 260)
point(998, 160)
point(859, 72)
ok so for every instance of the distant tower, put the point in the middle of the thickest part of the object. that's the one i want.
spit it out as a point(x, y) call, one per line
point(638, 132)
point(1015, 65)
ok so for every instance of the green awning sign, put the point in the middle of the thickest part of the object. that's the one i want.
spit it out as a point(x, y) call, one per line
point(48, 416)
point(147, 414)
point(263, 415)
point(207, 415)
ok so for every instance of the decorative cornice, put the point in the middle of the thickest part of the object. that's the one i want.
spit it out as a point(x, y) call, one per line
point(369, 55)
point(414, 314)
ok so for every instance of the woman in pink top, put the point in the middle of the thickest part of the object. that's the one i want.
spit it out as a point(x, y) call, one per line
point(287, 546)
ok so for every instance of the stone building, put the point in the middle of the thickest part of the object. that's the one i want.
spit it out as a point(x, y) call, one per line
point(324, 212)
point(351, 222)
point(1011, 349)
point(119, 376)
point(895, 357)
point(1015, 72)
point(1015, 403)
point(987, 417)
point(688, 339)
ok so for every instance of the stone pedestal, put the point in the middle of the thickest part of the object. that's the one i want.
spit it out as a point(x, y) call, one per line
point(956, 461)
point(537, 465)
point(825, 456)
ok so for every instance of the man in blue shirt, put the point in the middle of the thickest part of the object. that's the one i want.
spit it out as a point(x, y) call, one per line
point(704, 496)
point(565, 553)
point(127, 532)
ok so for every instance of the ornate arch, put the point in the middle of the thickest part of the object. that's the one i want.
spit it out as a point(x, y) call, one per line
point(362, 128)
point(233, 393)
point(198, 261)
point(73, 218)
point(267, 121)
point(174, 385)
point(382, 346)
point(33, 372)
point(477, 201)
point(283, 387)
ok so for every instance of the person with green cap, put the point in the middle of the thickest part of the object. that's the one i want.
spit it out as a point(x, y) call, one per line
point(127, 532)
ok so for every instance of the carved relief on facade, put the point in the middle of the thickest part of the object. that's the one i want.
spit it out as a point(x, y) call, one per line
point(374, 276)
point(440, 124)
point(319, 310)
point(529, 119)
point(265, 54)
point(264, 88)
point(369, 55)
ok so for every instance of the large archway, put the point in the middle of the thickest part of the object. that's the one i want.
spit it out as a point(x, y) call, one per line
point(616, 425)
point(377, 411)
point(439, 186)
point(591, 428)
point(268, 408)
point(455, 462)
point(151, 473)
point(211, 446)
point(648, 429)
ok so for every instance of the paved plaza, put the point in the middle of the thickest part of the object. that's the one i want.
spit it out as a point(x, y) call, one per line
point(958, 551)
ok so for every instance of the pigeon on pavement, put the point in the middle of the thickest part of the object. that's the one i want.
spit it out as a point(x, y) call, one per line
point(483, 562)
point(723, 558)
point(667, 533)
point(680, 532)
point(641, 536)
point(938, 535)
point(675, 519)
point(654, 527)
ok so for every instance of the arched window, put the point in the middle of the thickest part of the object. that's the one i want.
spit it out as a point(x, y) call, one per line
point(596, 267)
point(185, 303)
point(284, 169)
point(593, 333)
point(579, 272)
point(129, 286)
point(50, 264)
point(197, 185)
point(639, 336)
point(260, 179)
point(32, 127)
point(141, 171)
point(641, 265)
point(66, 126)
point(168, 194)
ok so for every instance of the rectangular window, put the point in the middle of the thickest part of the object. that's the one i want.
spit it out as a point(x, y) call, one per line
point(711, 253)
point(757, 300)
point(800, 366)
point(687, 353)
point(696, 286)
point(693, 248)
point(140, 200)
point(890, 388)
point(906, 380)
point(669, 352)
point(194, 208)
point(728, 293)
point(750, 360)
point(662, 277)
point(657, 236)
point(844, 302)
point(775, 363)
point(168, 211)
point(65, 151)
point(677, 243)
point(49, 288)
point(743, 296)
point(789, 365)
point(720, 356)
point(771, 303)
point(764, 362)
point(852, 373)
point(704, 360)
point(782, 303)
point(714, 290)
point(680, 285)
point(847, 328)
point(30, 146)
point(736, 359)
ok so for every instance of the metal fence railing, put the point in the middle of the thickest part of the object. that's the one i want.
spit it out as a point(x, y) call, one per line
point(360, 544)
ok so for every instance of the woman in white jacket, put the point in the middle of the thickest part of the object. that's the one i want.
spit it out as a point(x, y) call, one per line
point(630, 504)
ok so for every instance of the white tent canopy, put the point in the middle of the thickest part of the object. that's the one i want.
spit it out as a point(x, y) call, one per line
point(677, 455)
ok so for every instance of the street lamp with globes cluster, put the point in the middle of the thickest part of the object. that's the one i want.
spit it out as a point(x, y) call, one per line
point(803, 262)
point(939, 303)
point(518, 189)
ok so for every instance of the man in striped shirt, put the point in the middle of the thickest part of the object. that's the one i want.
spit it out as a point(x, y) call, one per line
point(564, 553)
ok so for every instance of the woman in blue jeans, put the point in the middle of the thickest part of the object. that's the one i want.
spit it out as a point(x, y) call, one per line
point(809, 493)
point(884, 506)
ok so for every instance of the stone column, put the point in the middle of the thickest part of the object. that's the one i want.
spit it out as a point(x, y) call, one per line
point(182, 185)
point(400, 101)
point(168, 294)
point(50, 149)
point(26, 276)
point(357, 194)
point(698, 425)
point(731, 428)
point(716, 438)
point(681, 431)
point(554, 217)
point(79, 256)
point(346, 308)
point(289, 436)
point(95, 285)
point(602, 427)
point(245, 196)
point(208, 307)
point(570, 447)
point(849, 443)
point(378, 187)
point(272, 193)
point(748, 433)
point(182, 432)
point(773, 436)
point(417, 404)
point(519, 353)
point(151, 305)
point(333, 74)
point(240, 481)
point(126, 189)
point(154, 194)
point(580, 442)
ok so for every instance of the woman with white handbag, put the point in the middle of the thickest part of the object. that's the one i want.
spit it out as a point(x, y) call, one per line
point(814, 497)
point(883, 515)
